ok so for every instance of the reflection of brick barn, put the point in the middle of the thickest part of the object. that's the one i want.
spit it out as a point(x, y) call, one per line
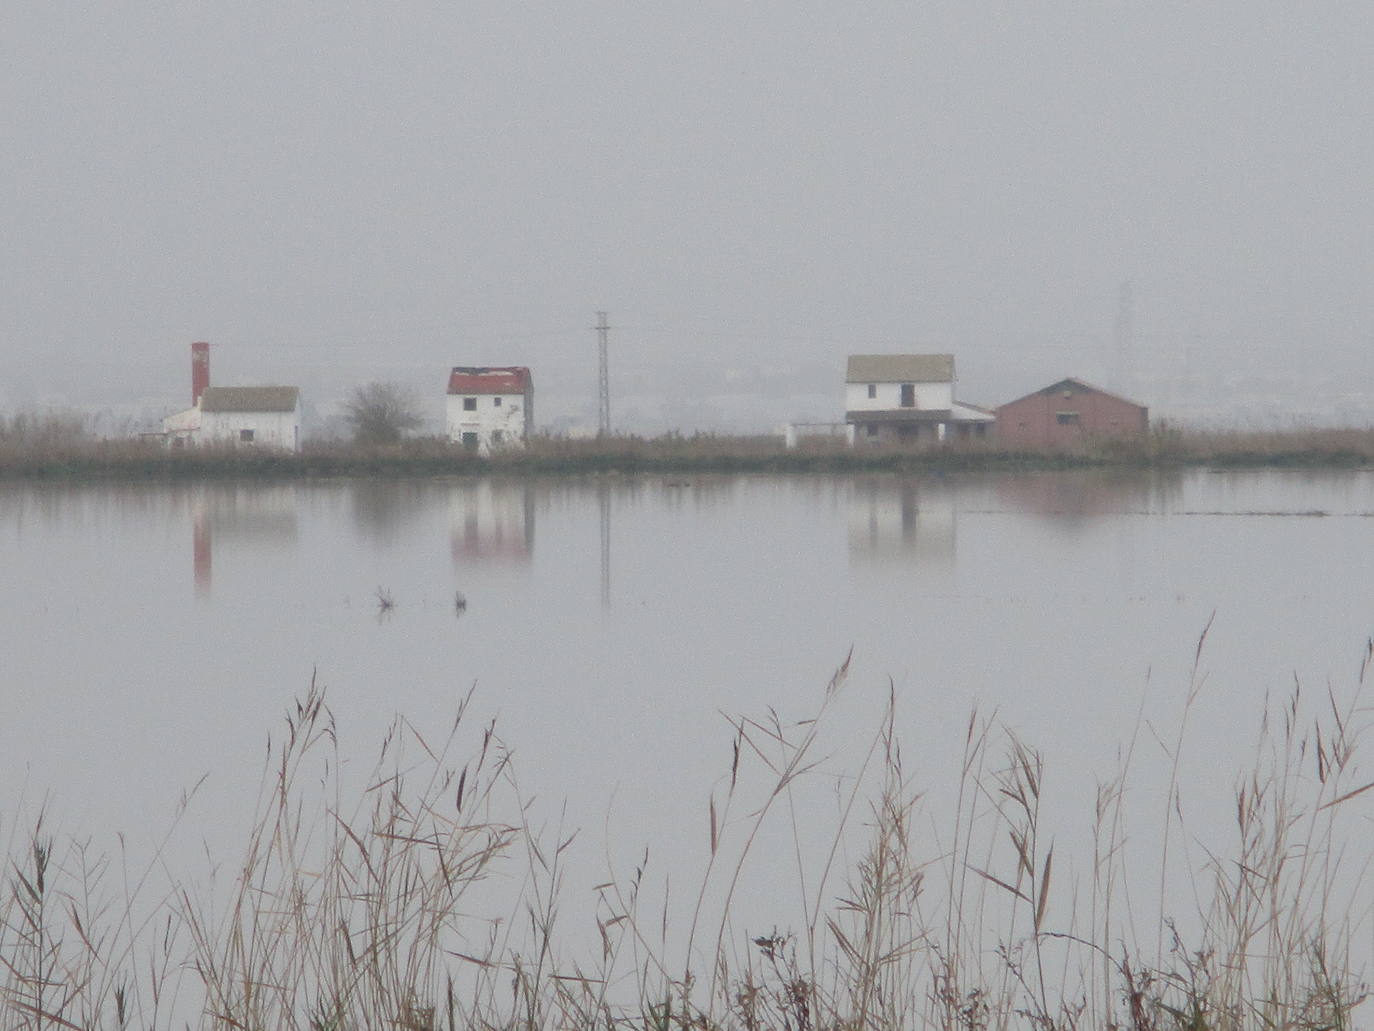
point(1069, 413)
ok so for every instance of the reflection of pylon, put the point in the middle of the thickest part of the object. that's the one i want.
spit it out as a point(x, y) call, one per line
point(603, 503)
point(603, 331)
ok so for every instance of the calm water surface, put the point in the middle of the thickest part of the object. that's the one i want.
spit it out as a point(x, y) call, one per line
point(152, 635)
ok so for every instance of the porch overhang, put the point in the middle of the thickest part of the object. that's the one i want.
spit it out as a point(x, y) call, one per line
point(900, 416)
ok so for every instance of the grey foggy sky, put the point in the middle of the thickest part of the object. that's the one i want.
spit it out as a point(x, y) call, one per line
point(379, 189)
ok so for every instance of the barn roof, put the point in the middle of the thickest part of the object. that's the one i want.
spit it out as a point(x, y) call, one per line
point(489, 379)
point(900, 368)
point(1073, 383)
point(249, 399)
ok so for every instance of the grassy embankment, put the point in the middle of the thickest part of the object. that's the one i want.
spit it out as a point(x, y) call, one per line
point(428, 901)
point(55, 449)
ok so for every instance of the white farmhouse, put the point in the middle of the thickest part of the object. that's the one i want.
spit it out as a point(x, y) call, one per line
point(490, 406)
point(906, 398)
point(267, 417)
point(251, 416)
point(234, 416)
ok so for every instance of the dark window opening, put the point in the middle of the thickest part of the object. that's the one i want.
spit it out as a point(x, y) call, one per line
point(470, 441)
point(246, 436)
point(908, 395)
point(872, 429)
point(496, 434)
point(1067, 418)
point(872, 390)
point(496, 402)
point(469, 404)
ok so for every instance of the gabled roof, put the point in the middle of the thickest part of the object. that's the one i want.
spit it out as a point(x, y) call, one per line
point(900, 368)
point(489, 379)
point(249, 399)
point(1073, 383)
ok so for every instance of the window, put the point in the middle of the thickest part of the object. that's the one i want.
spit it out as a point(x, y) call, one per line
point(872, 390)
point(1067, 418)
point(496, 402)
point(470, 441)
point(469, 404)
point(872, 429)
point(908, 395)
point(496, 434)
point(246, 436)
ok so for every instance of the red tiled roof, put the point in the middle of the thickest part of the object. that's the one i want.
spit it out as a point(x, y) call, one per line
point(482, 379)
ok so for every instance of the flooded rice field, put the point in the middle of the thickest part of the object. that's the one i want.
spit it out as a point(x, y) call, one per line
point(153, 637)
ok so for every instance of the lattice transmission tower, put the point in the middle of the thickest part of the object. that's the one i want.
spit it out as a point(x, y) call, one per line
point(603, 332)
point(1124, 334)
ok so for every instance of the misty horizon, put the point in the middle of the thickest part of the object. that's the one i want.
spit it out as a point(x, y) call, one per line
point(333, 197)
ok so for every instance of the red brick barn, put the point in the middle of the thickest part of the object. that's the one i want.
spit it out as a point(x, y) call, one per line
point(1067, 414)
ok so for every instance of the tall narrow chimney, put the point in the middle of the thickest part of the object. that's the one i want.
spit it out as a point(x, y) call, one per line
point(200, 371)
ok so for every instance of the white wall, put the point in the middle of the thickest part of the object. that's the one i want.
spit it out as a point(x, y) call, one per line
point(270, 429)
point(495, 413)
point(889, 396)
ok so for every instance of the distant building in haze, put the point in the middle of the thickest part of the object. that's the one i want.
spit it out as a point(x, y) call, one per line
point(490, 406)
point(907, 398)
point(1069, 413)
point(267, 417)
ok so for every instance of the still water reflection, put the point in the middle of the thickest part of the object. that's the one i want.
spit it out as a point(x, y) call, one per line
point(152, 634)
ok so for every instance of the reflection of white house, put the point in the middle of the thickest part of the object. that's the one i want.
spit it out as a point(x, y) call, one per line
point(267, 417)
point(901, 520)
point(490, 521)
point(490, 406)
point(252, 519)
point(892, 398)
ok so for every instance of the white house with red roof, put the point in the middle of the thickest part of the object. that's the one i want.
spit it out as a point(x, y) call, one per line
point(490, 406)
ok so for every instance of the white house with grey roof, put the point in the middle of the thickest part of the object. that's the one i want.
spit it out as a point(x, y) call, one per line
point(908, 398)
point(251, 416)
point(268, 417)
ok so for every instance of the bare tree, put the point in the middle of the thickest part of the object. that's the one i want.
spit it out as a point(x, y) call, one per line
point(382, 413)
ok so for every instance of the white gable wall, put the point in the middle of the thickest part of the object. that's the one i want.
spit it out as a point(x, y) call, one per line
point(270, 429)
point(498, 420)
point(929, 396)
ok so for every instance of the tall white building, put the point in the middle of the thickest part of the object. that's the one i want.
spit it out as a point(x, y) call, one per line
point(490, 406)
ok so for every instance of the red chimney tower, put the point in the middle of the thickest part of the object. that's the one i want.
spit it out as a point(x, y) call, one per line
point(200, 370)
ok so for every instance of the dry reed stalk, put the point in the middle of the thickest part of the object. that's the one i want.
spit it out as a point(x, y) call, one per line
point(429, 900)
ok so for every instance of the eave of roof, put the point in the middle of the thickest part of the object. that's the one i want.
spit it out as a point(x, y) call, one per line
point(1060, 384)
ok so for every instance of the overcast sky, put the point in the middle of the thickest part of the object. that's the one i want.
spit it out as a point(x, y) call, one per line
point(383, 188)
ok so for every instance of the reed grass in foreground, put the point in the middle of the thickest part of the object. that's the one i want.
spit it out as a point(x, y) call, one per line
point(427, 899)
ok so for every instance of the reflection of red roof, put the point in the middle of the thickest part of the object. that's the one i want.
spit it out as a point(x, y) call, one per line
point(482, 379)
